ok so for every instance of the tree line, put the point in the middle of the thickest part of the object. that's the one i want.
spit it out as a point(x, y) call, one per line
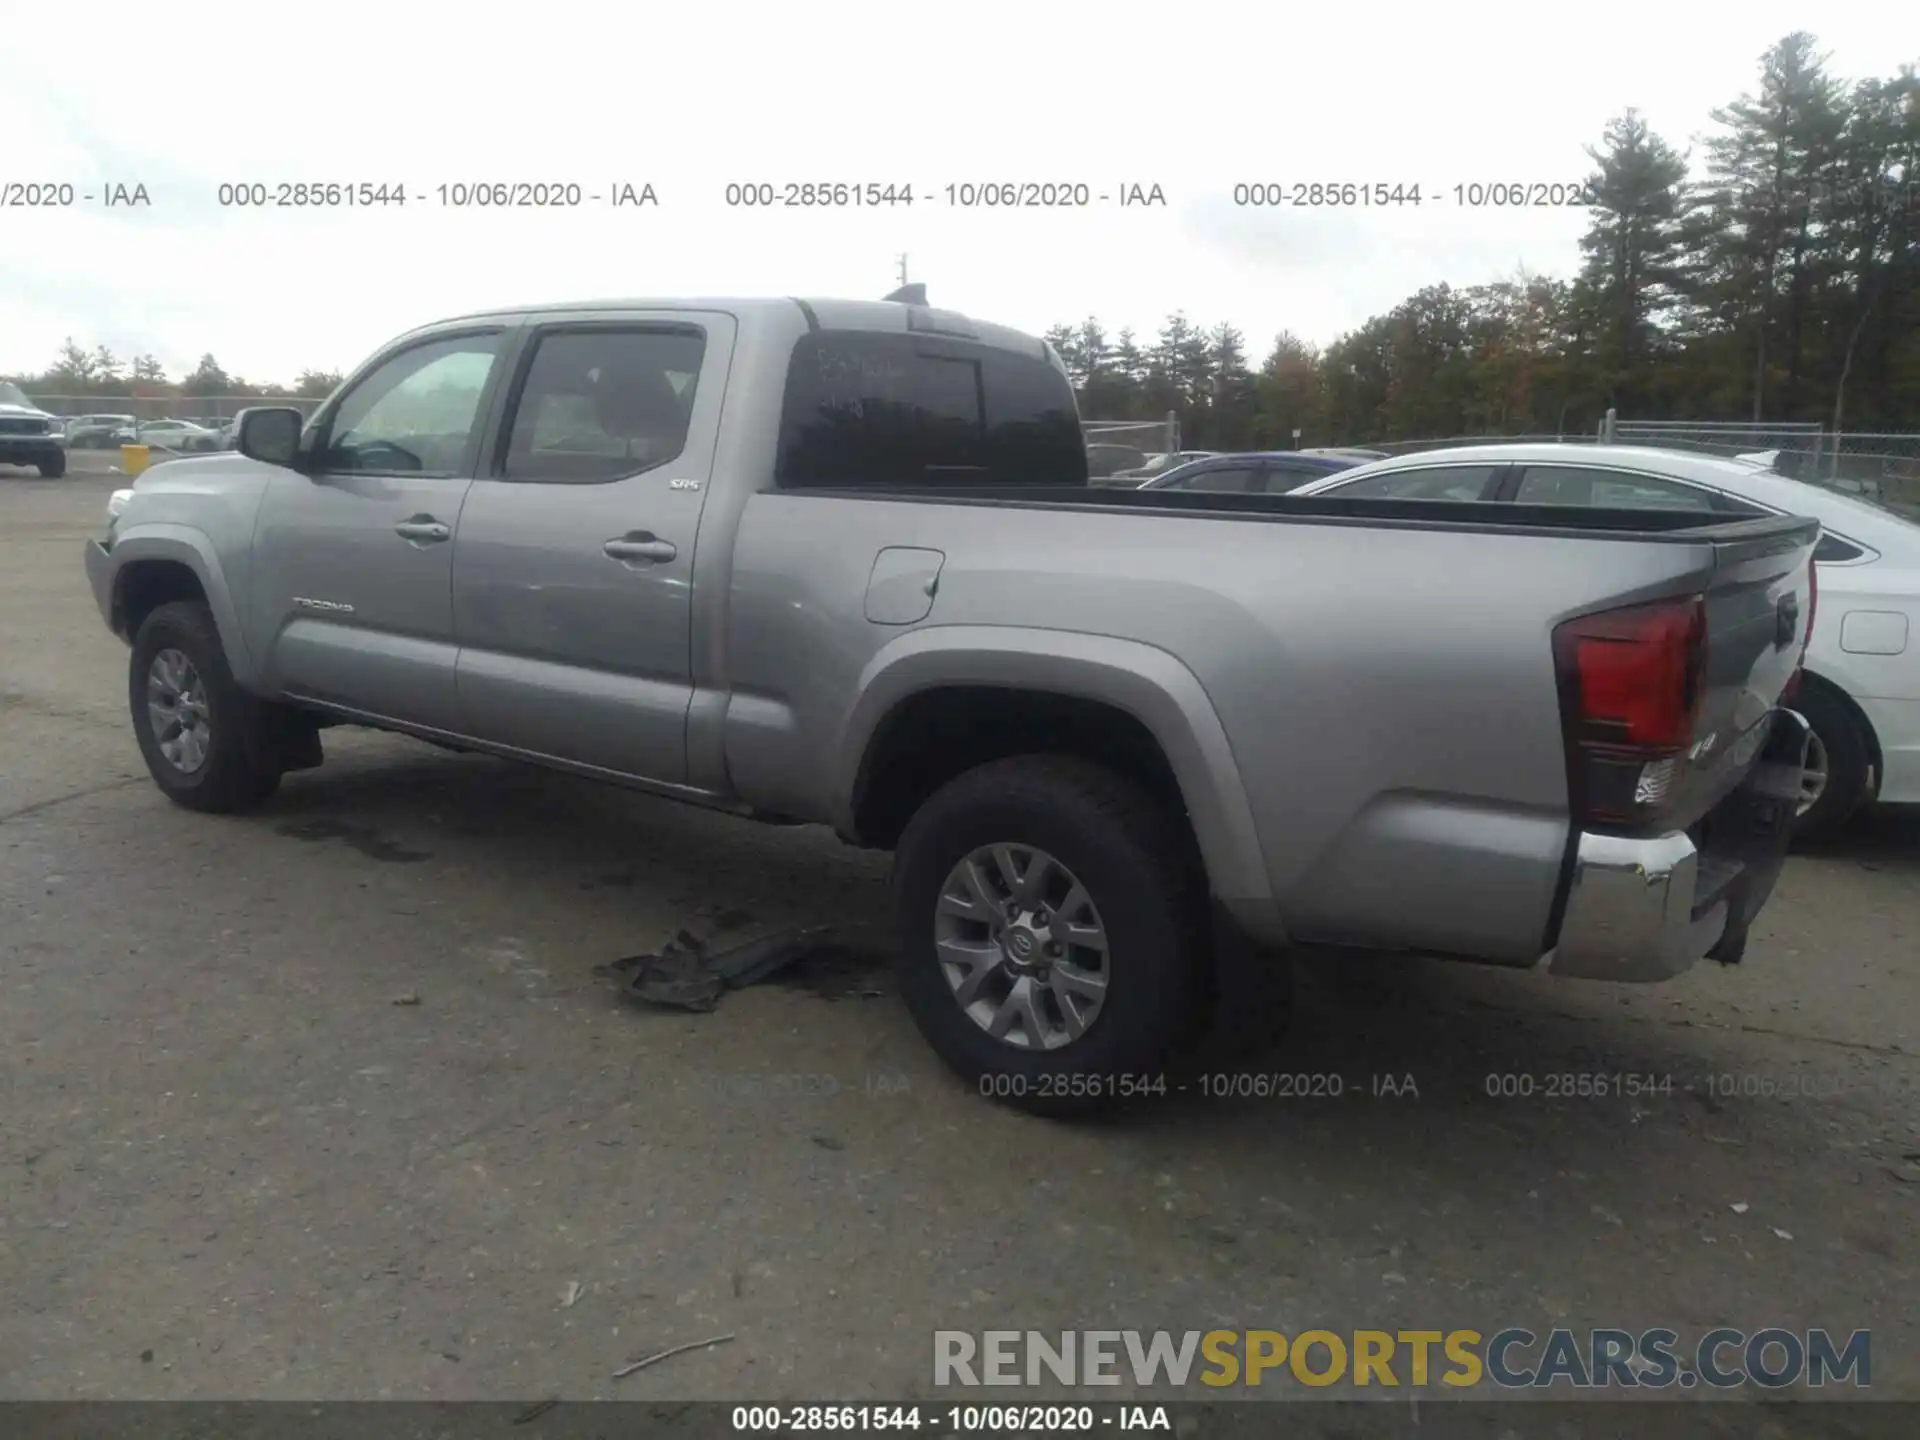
point(1774, 276)
point(80, 371)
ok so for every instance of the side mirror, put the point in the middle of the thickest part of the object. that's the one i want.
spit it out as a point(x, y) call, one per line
point(269, 434)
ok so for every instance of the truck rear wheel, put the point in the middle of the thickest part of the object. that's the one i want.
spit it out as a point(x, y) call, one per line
point(207, 742)
point(1053, 932)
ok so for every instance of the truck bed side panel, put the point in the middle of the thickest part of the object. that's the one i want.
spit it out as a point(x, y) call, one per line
point(1388, 693)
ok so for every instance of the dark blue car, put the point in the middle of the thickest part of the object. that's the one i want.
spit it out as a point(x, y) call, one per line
point(1260, 472)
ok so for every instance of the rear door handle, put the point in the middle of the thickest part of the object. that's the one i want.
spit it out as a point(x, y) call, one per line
point(423, 530)
point(640, 545)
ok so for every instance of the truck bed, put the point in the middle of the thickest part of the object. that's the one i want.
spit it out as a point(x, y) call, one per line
point(1376, 676)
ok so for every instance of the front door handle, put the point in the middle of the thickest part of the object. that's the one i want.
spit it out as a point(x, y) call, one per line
point(640, 545)
point(423, 530)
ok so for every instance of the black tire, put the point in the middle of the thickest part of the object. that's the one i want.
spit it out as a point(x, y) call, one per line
point(239, 769)
point(53, 467)
point(1849, 757)
point(1138, 865)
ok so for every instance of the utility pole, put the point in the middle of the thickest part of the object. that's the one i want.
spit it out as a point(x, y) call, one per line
point(903, 269)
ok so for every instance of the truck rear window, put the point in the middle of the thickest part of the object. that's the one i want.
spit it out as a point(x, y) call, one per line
point(875, 410)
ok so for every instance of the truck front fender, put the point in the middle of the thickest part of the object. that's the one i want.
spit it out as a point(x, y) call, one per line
point(1145, 682)
point(166, 543)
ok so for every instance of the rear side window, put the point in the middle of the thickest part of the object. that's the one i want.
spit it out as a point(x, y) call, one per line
point(1435, 482)
point(1832, 550)
point(1608, 490)
point(876, 410)
point(603, 403)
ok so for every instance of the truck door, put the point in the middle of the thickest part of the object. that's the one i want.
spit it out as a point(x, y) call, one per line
point(572, 571)
point(353, 558)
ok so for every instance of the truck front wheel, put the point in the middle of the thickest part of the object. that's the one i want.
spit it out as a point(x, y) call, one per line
point(1053, 932)
point(206, 741)
point(53, 466)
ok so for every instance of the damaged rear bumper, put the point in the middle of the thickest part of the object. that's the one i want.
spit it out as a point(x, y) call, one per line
point(1643, 908)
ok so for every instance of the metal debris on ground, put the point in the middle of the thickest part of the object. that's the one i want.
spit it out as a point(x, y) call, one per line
point(731, 951)
point(412, 997)
point(655, 1359)
point(534, 1412)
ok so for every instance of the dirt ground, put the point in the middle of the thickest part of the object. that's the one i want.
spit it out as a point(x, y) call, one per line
point(233, 1163)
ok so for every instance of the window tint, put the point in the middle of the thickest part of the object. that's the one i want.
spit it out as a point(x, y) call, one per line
point(600, 404)
point(867, 409)
point(1438, 482)
point(1832, 550)
point(1220, 480)
point(1608, 490)
point(416, 412)
point(1112, 459)
point(1282, 477)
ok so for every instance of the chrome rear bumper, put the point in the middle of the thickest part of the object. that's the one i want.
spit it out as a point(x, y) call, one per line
point(1646, 908)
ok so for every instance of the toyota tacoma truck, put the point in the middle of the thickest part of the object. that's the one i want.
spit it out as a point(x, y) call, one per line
point(838, 562)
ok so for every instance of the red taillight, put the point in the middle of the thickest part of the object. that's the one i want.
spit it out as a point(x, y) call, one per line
point(1631, 683)
point(1637, 673)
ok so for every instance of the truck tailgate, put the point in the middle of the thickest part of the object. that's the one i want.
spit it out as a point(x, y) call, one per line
point(1759, 606)
point(1683, 765)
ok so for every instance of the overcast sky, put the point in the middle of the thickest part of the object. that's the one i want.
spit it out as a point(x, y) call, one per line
point(1193, 97)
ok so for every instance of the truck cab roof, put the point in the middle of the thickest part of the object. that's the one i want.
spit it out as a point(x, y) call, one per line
point(798, 312)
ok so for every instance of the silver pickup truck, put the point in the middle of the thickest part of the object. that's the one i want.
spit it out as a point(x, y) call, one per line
point(838, 562)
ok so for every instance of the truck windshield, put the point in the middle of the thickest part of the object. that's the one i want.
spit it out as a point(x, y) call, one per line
point(12, 394)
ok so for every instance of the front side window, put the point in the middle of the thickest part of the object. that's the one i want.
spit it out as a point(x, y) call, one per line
point(874, 410)
point(1435, 482)
point(602, 404)
point(416, 413)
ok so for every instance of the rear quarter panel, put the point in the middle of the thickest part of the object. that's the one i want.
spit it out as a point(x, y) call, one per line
point(1386, 696)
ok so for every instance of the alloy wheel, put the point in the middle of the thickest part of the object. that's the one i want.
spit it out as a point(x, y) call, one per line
point(1022, 946)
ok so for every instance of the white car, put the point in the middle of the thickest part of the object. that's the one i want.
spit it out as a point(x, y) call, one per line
point(177, 435)
point(1861, 691)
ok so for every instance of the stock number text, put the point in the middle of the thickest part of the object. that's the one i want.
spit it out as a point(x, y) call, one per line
point(816, 194)
point(309, 195)
point(1326, 193)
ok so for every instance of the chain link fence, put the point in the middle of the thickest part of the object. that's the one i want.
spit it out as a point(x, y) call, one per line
point(1127, 444)
point(1882, 466)
point(210, 410)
